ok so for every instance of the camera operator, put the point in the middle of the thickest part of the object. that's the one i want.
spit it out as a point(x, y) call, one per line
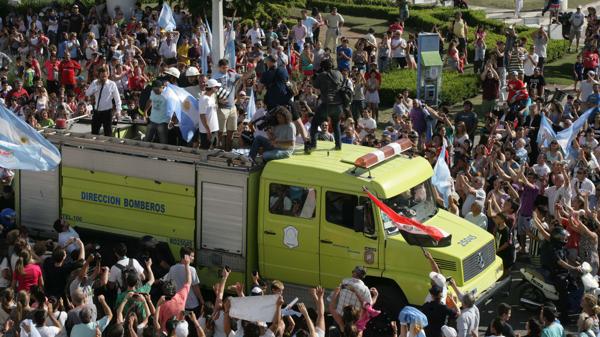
point(329, 82)
point(280, 143)
point(554, 261)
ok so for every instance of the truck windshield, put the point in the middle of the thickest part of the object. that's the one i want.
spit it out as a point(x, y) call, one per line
point(417, 203)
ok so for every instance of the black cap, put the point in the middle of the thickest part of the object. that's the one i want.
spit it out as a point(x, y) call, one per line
point(157, 83)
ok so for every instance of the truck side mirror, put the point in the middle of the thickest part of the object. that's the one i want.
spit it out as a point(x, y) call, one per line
point(359, 218)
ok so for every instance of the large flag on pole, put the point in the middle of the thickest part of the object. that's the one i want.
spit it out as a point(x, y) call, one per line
point(186, 108)
point(205, 53)
point(230, 47)
point(546, 134)
point(251, 108)
point(407, 224)
point(441, 179)
point(166, 20)
point(22, 147)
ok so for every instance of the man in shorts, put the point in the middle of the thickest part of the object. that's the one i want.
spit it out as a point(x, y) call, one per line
point(577, 20)
point(226, 113)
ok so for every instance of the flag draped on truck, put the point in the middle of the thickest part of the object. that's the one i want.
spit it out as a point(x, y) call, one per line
point(407, 224)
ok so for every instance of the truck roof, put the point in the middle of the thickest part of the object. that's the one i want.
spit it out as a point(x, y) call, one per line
point(327, 167)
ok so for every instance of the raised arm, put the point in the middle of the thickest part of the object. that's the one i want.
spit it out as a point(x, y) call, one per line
point(332, 308)
point(434, 266)
point(317, 294)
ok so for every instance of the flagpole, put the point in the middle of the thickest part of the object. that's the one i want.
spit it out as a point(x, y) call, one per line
point(218, 43)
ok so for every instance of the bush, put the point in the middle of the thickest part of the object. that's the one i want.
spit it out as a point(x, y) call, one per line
point(455, 87)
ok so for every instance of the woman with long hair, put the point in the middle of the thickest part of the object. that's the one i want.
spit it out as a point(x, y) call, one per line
point(27, 274)
point(347, 320)
point(7, 304)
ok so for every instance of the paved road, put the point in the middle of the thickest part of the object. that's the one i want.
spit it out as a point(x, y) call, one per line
point(510, 296)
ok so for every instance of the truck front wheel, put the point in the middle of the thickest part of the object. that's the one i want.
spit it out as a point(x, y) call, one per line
point(391, 298)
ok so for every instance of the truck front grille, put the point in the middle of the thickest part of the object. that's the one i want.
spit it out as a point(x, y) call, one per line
point(445, 264)
point(478, 261)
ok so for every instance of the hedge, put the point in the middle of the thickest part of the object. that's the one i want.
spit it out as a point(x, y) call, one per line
point(426, 17)
point(455, 87)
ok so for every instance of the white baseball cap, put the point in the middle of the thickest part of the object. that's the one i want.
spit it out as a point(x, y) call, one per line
point(192, 71)
point(438, 279)
point(173, 72)
point(212, 83)
point(448, 331)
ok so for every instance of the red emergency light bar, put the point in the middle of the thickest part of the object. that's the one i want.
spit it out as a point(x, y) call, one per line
point(385, 153)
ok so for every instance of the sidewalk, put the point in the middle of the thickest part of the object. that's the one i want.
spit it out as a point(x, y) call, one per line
point(528, 18)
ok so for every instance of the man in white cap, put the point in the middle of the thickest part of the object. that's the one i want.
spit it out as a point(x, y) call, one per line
point(587, 87)
point(439, 280)
point(577, 20)
point(209, 120)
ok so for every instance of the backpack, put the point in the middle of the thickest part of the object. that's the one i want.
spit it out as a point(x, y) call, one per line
point(343, 93)
point(125, 271)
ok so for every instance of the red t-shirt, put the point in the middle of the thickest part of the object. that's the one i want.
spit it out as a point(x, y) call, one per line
point(15, 93)
point(32, 273)
point(590, 59)
point(173, 306)
point(573, 240)
point(51, 67)
point(67, 71)
point(136, 83)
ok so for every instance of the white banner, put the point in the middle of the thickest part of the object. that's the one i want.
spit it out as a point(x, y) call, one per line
point(253, 308)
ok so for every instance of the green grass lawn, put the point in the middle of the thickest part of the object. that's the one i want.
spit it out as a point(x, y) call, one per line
point(527, 4)
point(560, 72)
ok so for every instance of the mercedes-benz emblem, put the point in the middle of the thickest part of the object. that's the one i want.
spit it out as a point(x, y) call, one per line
point(480, 261)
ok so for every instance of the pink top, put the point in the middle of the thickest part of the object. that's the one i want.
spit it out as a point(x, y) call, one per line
point(173, 306)
point(32, 273)
point(365, 316)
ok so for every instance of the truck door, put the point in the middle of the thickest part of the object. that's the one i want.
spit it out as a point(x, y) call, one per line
point(290, 233)
point(342, 247)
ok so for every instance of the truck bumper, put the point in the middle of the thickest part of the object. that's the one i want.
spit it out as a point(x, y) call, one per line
point(483, 297)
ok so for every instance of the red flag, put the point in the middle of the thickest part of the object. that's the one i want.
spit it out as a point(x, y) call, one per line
point(402, 221)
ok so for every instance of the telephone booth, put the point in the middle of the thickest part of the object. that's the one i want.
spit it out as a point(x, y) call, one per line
point(429, 69)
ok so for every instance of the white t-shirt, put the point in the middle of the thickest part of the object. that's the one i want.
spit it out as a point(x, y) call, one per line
point(177, 275)
point(541, 170)
point(587, 88)
point(528, 66)
point(556, 194)
point(255, 35)
point(91, 47)
point(466, 208)
point(257, 115)
point(208, 107)
point(366, 123)
point(479, 220)
point(115, 272)
point(65, 236)
point(48, 331)
point(401, 43)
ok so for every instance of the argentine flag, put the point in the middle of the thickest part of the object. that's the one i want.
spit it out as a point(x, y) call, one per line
point(166, 20)
point(230, 48)
point(22, 147)
point(251, 108)
point(441, 179)
point(205, 54)
point(185, 106)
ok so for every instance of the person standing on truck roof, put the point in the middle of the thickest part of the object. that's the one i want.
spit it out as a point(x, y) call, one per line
point(114, 278)
point(328, 82)
point(227, 112)
point(209, 119)
point(107, 99)
point(177, 274)
point(158, 124)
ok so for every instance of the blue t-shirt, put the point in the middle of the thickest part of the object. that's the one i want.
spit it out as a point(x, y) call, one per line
point(553, 330)
point(593, 99)
point(159, 109)
point(343, 63)
point(228, 80)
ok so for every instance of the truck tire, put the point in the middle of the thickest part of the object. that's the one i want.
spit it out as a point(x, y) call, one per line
point(391, 298)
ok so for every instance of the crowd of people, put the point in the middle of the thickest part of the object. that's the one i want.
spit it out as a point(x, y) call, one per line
point(288, 85)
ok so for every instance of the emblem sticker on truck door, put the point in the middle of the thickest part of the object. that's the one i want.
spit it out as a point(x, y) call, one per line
point(370, 255)
point(290, 237)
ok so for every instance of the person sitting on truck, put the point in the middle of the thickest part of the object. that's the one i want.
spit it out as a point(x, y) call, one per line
point(280, 143)
point(114, 278)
